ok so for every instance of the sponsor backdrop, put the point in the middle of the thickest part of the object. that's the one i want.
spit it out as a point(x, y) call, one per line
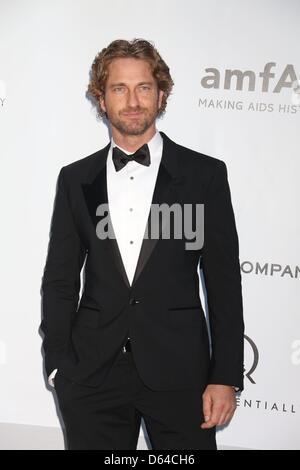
point(236, 97)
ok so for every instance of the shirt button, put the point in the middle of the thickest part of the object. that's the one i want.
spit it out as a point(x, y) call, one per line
point(133, 301)
point(131, 242)
point(131, 209)
point(131, 177)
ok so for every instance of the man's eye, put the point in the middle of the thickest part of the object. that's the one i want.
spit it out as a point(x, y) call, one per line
point(145, 87)
point(118, 89)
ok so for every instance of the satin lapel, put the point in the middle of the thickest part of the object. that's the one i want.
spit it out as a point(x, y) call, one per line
point(168, 179)
point(95, 193)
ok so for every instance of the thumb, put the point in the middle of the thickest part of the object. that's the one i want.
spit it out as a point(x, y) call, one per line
point(207, 407)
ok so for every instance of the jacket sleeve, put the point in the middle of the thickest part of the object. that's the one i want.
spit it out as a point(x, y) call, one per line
point(61, 278)
point(222, 276)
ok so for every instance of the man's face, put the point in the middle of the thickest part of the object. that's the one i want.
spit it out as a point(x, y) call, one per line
point(132, 98)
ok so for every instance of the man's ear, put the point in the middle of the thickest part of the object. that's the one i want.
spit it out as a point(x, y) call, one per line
point(102, 103)
point(160, 97)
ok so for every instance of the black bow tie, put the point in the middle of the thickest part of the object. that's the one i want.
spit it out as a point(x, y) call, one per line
point(120, 158)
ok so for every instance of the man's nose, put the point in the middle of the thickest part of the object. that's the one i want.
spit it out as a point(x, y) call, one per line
point(132, 98)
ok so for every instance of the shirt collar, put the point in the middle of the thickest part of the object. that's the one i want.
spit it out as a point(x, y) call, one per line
point(154, 144)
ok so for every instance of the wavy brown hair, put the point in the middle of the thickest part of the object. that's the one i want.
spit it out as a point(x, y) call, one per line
point(138, 49)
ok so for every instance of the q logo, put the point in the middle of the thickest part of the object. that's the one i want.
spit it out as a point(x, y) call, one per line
point(251, 358)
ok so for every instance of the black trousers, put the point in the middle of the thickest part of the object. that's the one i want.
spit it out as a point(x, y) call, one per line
point(109, 417)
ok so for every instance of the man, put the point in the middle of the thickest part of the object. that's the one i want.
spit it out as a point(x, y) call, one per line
point(137, 343)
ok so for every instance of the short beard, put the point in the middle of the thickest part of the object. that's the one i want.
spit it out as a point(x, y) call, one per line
point(125, 129)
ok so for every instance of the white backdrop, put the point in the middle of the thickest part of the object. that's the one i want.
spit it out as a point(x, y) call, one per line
point(46, 122)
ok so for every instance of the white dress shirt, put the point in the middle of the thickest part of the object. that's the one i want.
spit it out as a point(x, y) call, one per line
point(130, 191)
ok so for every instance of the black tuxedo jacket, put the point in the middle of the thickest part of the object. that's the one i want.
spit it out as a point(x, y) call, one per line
point(161, 311)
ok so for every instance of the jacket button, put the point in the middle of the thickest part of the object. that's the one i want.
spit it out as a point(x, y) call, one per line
point(133, 301)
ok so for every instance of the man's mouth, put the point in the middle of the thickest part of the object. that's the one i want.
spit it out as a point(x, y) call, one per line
point(134, 114)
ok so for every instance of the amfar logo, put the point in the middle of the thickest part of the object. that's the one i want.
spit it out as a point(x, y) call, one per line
point(287, 79)
point(2, 92)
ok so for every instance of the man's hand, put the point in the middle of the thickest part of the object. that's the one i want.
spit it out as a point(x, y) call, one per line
point(219, 405)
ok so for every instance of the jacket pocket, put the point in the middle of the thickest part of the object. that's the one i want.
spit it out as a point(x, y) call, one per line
point(87, 317)
point(192, 307)
point(186, 316)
